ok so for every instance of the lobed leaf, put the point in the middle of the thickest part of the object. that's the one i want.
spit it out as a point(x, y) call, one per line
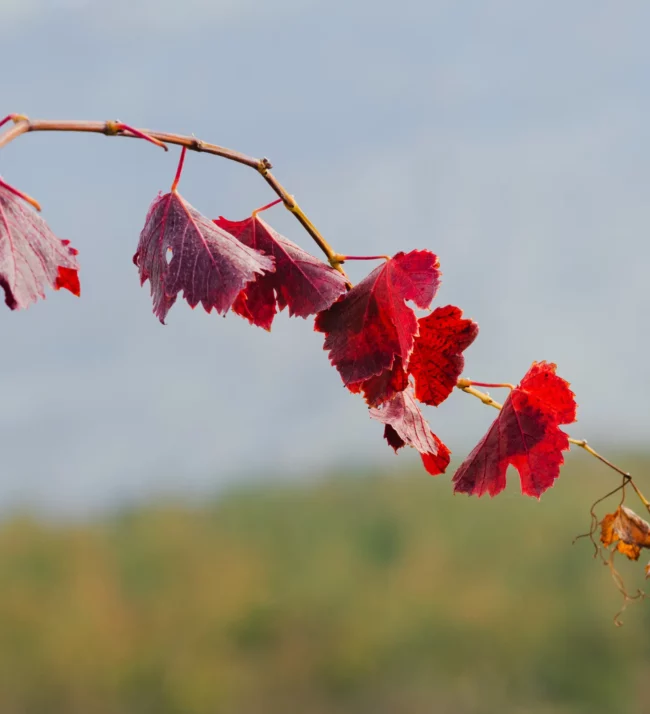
point(524, 435)
point(31, 256)
point(436, 362)
point(300, 282)
point(371, 326)
point(207, 263)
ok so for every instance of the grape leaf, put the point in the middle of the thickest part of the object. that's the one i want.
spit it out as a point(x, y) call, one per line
point(405, 424)
point(384, 386)
point(300, 282)
point(208, 264)
point(31, 256)
point(525, 435)
point(436, 362)
point(628, 530)
point(370, 326)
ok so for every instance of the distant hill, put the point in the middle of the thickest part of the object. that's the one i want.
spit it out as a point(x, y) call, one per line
point(364, 594)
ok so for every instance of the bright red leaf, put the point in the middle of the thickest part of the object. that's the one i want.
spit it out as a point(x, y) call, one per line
point(405, 424)
point(371, 326)
point(31, 256)
point(208, 264)
point(300, 282)
point(525, 435)
point(436, 362)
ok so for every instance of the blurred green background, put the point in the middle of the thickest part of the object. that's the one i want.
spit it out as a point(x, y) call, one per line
point(353, 593)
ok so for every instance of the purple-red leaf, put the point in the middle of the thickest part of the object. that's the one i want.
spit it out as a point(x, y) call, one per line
point(208, 264)
point(405, 424)
point(300, 282)
point(31, 256)
point(525, 435)
point(367, 329)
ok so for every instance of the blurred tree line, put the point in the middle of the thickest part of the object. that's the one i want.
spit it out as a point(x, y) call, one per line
point(352, 593)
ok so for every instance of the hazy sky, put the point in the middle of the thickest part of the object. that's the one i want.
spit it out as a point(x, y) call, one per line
point(510, 138)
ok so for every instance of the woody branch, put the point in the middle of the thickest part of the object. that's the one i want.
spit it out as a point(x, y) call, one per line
point(24, 125)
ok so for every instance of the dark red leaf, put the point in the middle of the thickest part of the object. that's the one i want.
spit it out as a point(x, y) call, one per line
point(384, 386)
point(437, 360)
point(208, 264)
point(300, 281)
point(31, 256)
point(524, 435)
point(405, 424)
point(370, 326)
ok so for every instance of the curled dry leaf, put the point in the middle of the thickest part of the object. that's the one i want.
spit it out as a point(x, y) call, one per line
point(31, 256)
point(300, 282)
point(208, 264)
point(371, 326)
point(405, 424)
point(525, 435)
point(627, 531)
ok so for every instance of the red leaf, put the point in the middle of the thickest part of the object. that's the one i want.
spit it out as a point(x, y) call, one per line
point(208, 264)
point(300, 281)
point(405, 424)
point(384, 386)
point(437, 360)
point(31, 256)
point(525, 435)
point(370, 326)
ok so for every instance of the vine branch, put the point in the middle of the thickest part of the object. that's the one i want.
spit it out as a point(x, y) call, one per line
point(465, 385)
point(23, 125)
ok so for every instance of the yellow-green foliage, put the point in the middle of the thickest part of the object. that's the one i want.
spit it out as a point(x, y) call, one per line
point(354, 594)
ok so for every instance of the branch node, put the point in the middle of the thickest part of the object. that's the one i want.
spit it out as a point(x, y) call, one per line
point(112, 128)
point(263, 166)
point(198, 145)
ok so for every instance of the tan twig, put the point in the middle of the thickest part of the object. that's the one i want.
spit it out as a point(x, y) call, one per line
point(24, 125)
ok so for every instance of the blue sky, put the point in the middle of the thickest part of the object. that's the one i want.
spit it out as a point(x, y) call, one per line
point(510, 138)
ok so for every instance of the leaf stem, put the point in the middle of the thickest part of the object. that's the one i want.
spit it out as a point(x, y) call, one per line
point(465, 385)
point(268, 205)
point(179, 170)
point(121, 127)
point(489, 385)
point(20, 194)
point(24, 125)
point(364, 257)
